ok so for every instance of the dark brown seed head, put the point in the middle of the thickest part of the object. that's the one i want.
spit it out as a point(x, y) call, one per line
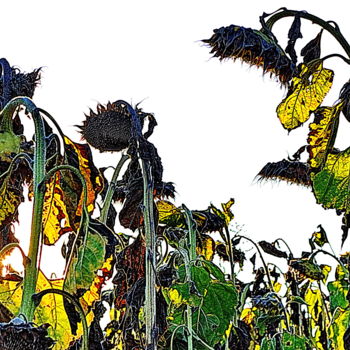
point(109, 128)
point(22, 84)
point(253, 47)
point(24, 336)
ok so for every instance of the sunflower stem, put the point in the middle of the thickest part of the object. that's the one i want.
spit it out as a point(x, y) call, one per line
point(31, 268)
point(333, 30)
point(150, 240)
point(267, 273)
point(192, 257)
point(111, 188)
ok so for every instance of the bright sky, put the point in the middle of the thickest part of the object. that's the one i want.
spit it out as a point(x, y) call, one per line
point(217, 121)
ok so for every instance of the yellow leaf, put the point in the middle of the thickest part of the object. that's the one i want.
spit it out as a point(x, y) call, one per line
point(10, 199)
point(207, 247)
point(51, 309)
point(93, 179)
point(322, 132)
point(11, 295)
point(94, 292)
point(55, 216)
point(226, 207)
point(247, 316)
point(338, 327)
point(167, 210)
point(277, 287)
point(175, 297)
point(307, 92)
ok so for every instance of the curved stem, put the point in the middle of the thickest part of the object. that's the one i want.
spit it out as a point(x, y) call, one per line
point(31, 269)
point(6, 114)
point(330, 254)
point(54, 122)
point(12, 164)
point(9, 247)
point(336, 55)
point(85, 336)
point(6, 73)
point(286, 244)
point(262, 259)
point(111, 188)
point(314, 19)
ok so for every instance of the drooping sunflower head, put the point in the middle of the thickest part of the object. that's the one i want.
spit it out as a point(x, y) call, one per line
point(293, 172)
point(110, 127)
point(24, 336)
point(22, 84)
point(253, 47)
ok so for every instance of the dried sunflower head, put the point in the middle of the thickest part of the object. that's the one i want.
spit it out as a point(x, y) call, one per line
point(24, 336)
point(253, 47)
point(291, 171)
point(110, 127)
point(22, 84)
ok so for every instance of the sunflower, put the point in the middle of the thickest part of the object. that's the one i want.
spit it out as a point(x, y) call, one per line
point(253, 47)
point(22, 84)
point(21, 335)
point(110, 127)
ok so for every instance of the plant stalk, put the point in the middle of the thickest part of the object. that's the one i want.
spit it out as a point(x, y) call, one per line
point(111, 188)
point(150, 240)
point(192, 257)
point(31, 268)
point(333, 30)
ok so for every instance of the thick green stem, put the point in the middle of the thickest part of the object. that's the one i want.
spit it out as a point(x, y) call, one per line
point(31, 268)
point(85, 336)
point(192, 257)
point(150, 240)
point(333, 30)
point(111, 188)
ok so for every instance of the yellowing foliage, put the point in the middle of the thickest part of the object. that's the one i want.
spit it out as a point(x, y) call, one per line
point(55, 216)
point(307, 92)
point(321, 134)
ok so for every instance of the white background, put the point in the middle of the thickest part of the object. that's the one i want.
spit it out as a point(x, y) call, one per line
point(217, 125)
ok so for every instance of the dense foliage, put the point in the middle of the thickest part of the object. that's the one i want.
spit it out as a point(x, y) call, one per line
point(173, 272)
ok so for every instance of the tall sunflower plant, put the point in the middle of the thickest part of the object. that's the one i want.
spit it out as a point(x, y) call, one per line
point(174, 273)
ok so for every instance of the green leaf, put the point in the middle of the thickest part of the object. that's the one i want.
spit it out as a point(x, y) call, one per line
point(268, 344)
point(331, 184)
point(9, 144)
point(217, 311)
point(297, 299)
point(89, 259)
point(293, 342)
point(338, 291)
point(214, 270)
point(215, 304)
point(265, 321)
